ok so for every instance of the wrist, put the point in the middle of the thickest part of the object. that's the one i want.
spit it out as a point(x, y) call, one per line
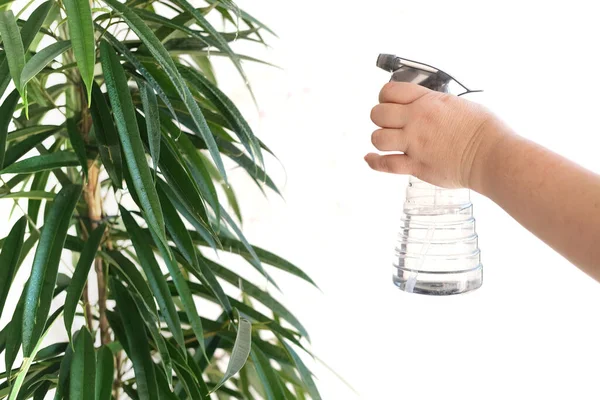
point(493, 138)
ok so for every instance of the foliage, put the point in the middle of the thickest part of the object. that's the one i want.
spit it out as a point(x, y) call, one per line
point(114, 145)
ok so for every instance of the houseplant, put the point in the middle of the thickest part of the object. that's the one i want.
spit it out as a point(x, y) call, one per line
point(113, 136)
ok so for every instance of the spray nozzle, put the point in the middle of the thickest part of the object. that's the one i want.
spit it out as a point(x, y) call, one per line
point(405, 70)
point(388, 62)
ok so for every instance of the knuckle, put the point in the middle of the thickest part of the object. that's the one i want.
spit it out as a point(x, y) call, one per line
point(422, 140)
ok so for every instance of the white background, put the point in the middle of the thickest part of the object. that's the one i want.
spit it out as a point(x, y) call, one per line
point(532, 330)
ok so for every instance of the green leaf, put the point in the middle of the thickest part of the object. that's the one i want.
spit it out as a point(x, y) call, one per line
point(38, 185)
point(121, 48)
point(45, 265)
point(270, 381)
point(42, 58)
point(18, 150)
point(31, 194)
point(221, 43)
point(65, 371)
point(200, 173)
point(150, 104)
point(86, 259)
point(78, 144)
point(13, 334)
point(208, 278)
point(105, 370)
point(255, 171)
point(129, 271)
point(187, 381)
point(201, 226)
point(129, 134)
point(13, 48)
point(254, 260)
point(153, 325)
point(81, 31)
point(137, 348)
point(177, 230)
point(9, 258)
point(232, 199)
point(260, 295)
point(28, 359)
point(7, 110)
point(28, 32)
point(182, 288)
point(107, 136)
point(154, 275)
point(235, 246)
point(44, 162)
point(24, 133)
point(164, 60)
point(83, 368)
point(241, 350)
point(303, 370)
point(225, 108)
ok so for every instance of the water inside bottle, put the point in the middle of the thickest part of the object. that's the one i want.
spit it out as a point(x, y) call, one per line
point(437, 249)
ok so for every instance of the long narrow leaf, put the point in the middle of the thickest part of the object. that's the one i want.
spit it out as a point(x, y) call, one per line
point(137, 349)
point(182, 288)
point(43, 162)
point(254, 291)
point(28, 32)
point(9, 258)
point(133, 148)
point(42, 58)
point(83, 368)
point(164, 59)
point(38, 185)
point(28, 359)
point(64, 372)
point(6, 113)
point(105, 370)
point(45, 265)
point(80, 276)
point(270, 381)
point(107, 136)
point(226, 108)
point(81, 30)
point(153, 325)
point(133, 277)
point(150, 104)
point(129, 56)
point(241, 350)
point(18, 150)
point(154, 275)
point(306, 375)
point(13, 48)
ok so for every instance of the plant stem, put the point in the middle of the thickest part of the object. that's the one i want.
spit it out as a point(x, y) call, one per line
point(94, 202)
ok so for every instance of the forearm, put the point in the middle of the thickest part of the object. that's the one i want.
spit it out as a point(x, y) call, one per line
point(549, 195)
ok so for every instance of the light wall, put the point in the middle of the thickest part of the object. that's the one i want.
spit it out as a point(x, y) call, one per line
point(531, 331)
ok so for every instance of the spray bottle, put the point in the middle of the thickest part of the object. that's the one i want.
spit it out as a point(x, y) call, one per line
point(437, 250)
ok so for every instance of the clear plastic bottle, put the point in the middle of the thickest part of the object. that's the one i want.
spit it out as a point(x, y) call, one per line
point(437, 251)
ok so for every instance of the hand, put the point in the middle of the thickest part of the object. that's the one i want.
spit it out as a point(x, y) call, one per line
point(444, 138)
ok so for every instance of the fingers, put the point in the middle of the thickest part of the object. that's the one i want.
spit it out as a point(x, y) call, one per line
point(390, 140)
point(395, 163)
point(401, 92)
point(393, 116)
